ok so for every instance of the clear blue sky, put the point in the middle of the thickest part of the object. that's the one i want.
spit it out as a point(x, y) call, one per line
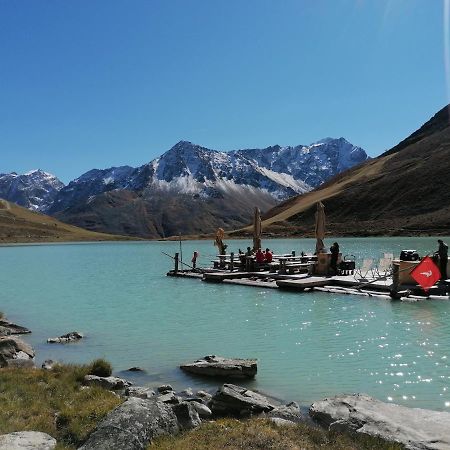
point(95, 83)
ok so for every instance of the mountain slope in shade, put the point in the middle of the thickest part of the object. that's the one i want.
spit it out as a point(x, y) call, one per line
point(35, 190)
point(404, 191)
point(19, 224)
point(192, 189)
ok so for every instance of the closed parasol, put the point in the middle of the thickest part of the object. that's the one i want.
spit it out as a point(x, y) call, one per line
point(257, 229)
point(320, 228)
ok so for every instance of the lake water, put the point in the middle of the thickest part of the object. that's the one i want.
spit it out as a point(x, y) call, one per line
point(309, 345)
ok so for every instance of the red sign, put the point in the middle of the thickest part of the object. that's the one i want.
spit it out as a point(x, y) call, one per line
point(426, 273)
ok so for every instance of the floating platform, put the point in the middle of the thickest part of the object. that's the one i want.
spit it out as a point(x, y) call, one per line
point(339, 284)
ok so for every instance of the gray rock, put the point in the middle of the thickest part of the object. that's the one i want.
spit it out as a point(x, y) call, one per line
point(15, 353)
point(282, 422)
point(136, 369)
point(27, 440)
point(73, 336)
point(290, 412)
point(203, 411)
point(204, 396)
point(413, 427)
point(164, 388)
point(187, 415)
point(169, 397)
point(110, 383)
point(140, 392)
point(217, 366)
point(8, 328)
point(133, 425)
point(49, 364)
point(235, 400)
point(187, 392)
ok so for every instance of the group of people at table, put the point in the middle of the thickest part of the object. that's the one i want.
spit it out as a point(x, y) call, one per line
point(260, 256)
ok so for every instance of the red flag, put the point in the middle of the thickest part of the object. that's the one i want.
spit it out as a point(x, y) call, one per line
point(426, 273)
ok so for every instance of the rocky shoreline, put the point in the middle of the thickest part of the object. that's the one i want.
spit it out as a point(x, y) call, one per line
point(147, 413)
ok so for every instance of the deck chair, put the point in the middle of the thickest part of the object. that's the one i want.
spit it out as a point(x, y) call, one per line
point(384, 267)
point(362, 272)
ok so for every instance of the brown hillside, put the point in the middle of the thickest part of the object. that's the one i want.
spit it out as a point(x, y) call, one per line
point(18, 224)
point(406, 191)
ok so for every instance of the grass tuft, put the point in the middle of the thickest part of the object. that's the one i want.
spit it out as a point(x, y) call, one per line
point(53, 402)
point(100, 367)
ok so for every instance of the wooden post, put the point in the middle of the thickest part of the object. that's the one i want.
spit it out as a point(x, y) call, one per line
point(231, 262)
point(176, 262)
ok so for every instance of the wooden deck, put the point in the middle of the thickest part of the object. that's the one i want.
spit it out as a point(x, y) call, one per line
point(340, 284)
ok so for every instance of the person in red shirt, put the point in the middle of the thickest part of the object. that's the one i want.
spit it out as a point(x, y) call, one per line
point(268, 256)
point(259, 256)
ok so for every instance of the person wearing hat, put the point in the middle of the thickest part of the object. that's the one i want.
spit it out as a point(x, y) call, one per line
point(442, 253)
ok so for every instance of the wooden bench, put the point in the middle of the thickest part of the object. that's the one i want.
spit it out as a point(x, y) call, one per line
point(297, 267)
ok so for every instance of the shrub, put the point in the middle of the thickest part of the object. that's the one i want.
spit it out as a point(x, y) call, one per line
point(101, 368)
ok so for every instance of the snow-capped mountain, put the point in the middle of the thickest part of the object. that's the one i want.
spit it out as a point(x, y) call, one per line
point(34, 190)
point(186, 168)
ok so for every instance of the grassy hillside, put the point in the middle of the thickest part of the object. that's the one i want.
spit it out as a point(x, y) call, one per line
point(20, 225)
point(406, 191)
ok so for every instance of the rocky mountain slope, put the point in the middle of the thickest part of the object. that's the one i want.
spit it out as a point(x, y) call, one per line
point(191, 189)
point(35, 190)
point(405, 191)
point(19, 224)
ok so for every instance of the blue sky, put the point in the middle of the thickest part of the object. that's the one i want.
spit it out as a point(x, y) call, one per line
point(91, 83)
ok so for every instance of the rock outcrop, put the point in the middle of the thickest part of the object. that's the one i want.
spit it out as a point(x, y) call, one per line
point(110, 383)
point(15, 353)
point(133, 425)
point(73, 336)
point(413, 427)
point(239, 401)
point(217, 366)
point(27, 440)
point(8, 328)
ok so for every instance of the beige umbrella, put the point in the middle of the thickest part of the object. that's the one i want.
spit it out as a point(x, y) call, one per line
point(320, 228)
point(257, 229)
point(219, 241)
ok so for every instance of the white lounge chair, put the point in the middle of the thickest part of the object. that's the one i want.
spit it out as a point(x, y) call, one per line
point(362, 272)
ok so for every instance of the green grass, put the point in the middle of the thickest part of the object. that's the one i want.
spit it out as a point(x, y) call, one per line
point(262, 434)
point(52, 402)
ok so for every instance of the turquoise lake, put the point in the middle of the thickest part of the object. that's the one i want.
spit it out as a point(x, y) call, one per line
point(309, 345)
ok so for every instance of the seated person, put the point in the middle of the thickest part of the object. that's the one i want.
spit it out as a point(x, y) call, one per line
point(268, 256)
point(259, 256)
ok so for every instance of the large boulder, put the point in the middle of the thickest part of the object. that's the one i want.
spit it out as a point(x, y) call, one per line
point(73, 336)
point(8, 328)
point(187, 416)
point(27, 440)
point(235, 400)
point(290, 412)
point(413, 427)
point(133, 425)
point(15, 353)
point(110, 383)
point(140, 392)
point(217, 366)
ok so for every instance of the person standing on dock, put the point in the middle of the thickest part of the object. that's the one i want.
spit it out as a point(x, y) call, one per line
point(442, 253)
point(334, 249)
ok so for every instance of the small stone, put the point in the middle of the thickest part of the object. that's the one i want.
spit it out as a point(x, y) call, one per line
point(27, 440)
point(187, 392)
point(187, 416)
point(135, 369)
point(203, 411)
point(165, 388)
point(73, 336)
point(140, 392)
point(48, 364)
